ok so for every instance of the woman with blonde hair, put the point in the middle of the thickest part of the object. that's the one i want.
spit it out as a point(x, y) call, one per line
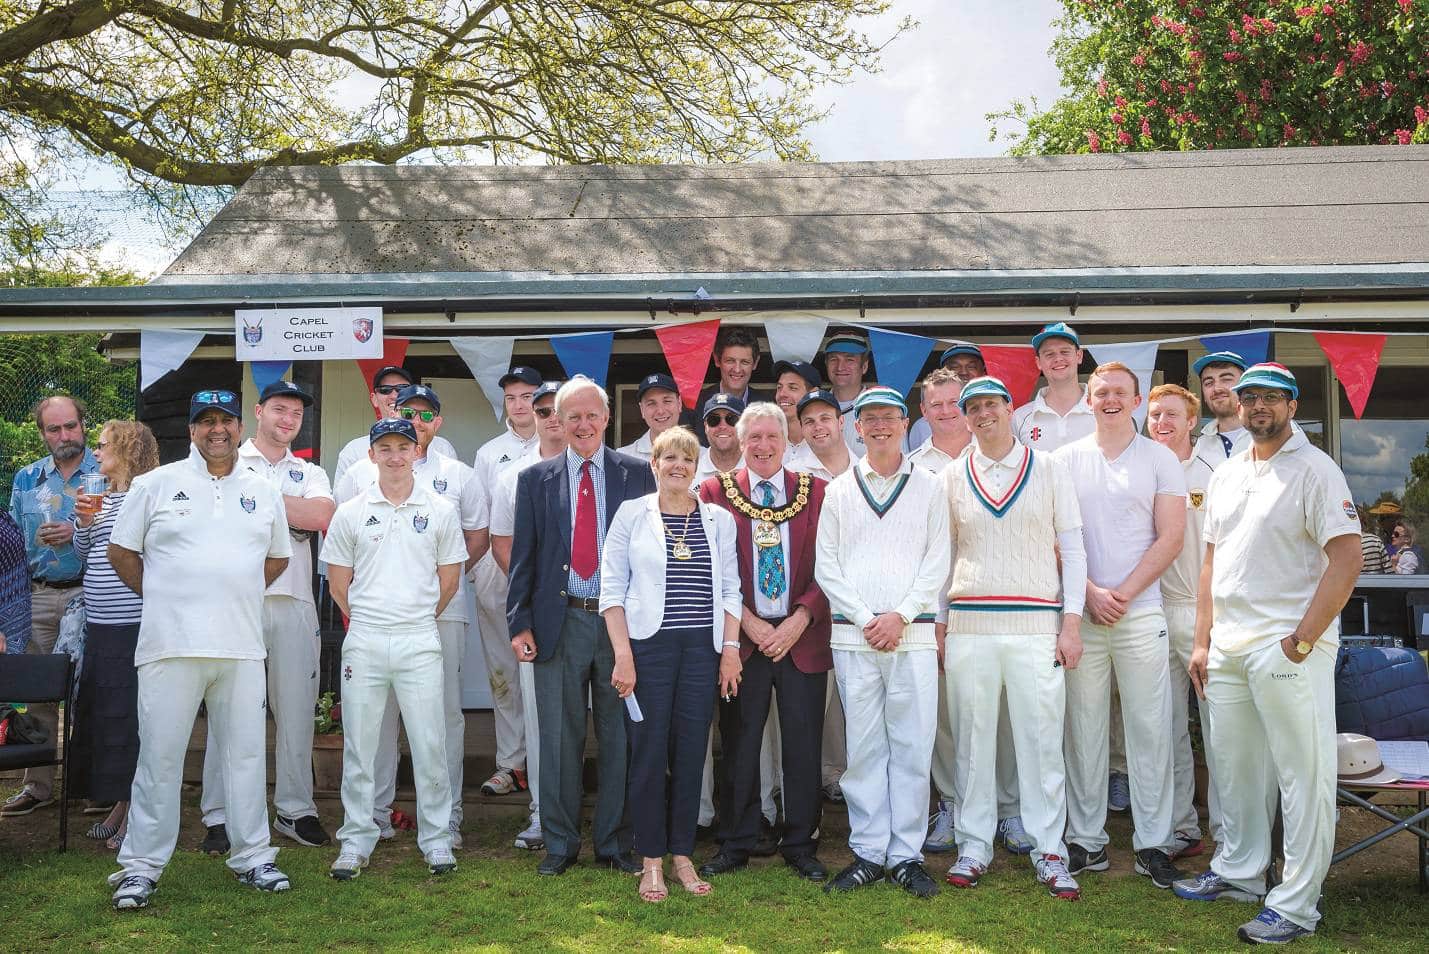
point(106, 736)
point(669, 592)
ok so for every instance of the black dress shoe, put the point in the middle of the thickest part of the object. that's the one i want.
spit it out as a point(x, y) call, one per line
point(767, 845)
point(723, 863)
point(705, 833)
point(855, 876)
point(623, 862)
point(913, 878)
point(554, 864)
point(807, 867)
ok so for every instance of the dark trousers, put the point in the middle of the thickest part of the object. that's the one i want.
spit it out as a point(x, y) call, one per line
point(582, 661)
point(676, 676)
point(801, 729)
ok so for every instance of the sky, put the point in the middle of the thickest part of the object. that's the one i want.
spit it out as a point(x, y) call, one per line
point(966, 58)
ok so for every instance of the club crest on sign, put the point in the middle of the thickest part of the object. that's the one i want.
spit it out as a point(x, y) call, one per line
point(362, 330)
point(439, 485)
point(1198, 497)
point(249, 504)
point(419, 523)
point(252, 334)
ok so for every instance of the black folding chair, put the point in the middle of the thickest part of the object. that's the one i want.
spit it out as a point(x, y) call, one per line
point(28, 678)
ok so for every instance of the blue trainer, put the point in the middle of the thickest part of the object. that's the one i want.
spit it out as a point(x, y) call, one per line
point(1209, 886)
point(1270, 928)
point(1118, 792)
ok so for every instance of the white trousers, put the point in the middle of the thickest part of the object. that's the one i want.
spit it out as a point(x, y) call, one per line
point(1181, 629)
point(290, 631)
point(170, 691)
point(945, 756)
point(453, 645)
point(891, 714)
point(834, 752)
point(533, 736)
point(1135, 651)
point(507, 702)
point(1272, 730)
point(406, 664)
point(985, 675)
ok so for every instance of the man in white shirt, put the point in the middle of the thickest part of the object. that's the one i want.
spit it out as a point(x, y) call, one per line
point(1132, 493)
point(498, 456)
point(200, 540)
point(1060, 413)
point(1282, 557)
point(846, 365)
point(385, 384)
point(965, 362)
point(452, 480)
point(659, 399)
point(883, 551)
point(821, 421)
point(1171, 414)
point(290, 625)
point(793, 380)
point(735, 358)
point(1223, 435)
point(392, 646)
point(721, 453)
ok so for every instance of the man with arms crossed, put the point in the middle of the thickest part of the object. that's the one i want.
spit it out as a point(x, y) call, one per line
point(1132, 493)
point(1267, 632)
point(200, 540)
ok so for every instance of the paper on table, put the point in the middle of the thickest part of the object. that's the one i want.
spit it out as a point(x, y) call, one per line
point(1408, 759)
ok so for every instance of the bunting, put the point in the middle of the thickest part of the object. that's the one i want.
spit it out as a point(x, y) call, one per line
point(1253, 346)
point(1016, 367)
point(1355, 360)
point(795, 337)
point(488, 359)
point(162, 351)
point(898, 357)
point(266, 372)
point(687, 349)
point(587, 354)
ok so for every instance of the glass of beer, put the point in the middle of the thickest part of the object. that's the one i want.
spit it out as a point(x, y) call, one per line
point(92, 488)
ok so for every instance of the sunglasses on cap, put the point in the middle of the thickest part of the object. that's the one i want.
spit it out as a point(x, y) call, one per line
point(544, 412)
point(214, 397)
point(408, 413)
point(717, 418)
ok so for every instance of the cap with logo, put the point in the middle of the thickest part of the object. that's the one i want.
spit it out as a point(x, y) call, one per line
point(224, 400)
point(1059, 329)
point(879, 397)
point(847, 343)
point(968, 349)
point(391, 425)
point(983, 387)
point(385, 370)
point(413, 392)
point(1268, 374)
point(1218, 357)
point(1357, 761)
point(820, 396)
point(545, 388)
point(803, 369)
point(723, 402)
point(522, 374)
point(652, 381)
point(281, 388)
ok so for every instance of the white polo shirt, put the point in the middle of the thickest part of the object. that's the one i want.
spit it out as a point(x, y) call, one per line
point(291, 476)
point(445, 477)
point(1040, 427)
point(356, 450)
point(1269, 522)
point(394, 552)
point(501, 454)
point(641, 448)
point(1118, 499)
point(1211, 448)
point(503, 497)
point(930, 457)
point(1183, 577)
point(203, 540)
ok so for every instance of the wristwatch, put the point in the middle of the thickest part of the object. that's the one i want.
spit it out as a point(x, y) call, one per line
point(1302, 647)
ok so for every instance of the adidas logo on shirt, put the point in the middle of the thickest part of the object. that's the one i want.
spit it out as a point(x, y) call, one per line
point(371, 522)
point(505, 459)
point(181, 496)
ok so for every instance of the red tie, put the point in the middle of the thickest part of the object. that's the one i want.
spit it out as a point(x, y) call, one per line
point(584, 559)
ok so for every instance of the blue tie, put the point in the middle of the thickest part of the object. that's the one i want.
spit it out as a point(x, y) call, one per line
point(771, 559)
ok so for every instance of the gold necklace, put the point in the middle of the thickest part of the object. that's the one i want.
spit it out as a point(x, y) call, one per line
point(681, 550)
point(767, 514)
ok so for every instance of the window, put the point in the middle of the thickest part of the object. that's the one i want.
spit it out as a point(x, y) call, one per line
point(1310, 409)
point(1381, 452)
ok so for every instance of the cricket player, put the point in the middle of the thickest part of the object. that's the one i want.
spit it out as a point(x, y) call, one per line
point(1223, 435)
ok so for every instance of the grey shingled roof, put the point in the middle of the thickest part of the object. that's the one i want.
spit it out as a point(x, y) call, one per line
point(1280, 207)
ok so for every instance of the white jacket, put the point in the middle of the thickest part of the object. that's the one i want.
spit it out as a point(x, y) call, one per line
point(632, 566)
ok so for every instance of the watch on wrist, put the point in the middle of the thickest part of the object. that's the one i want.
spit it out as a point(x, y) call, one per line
point(1302, 647)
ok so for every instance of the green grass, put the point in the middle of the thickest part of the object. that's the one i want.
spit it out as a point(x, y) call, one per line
point(496, 902)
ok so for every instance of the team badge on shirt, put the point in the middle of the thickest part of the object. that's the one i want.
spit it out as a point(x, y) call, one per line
point(1198, 497)
point(439, 485)
point(419, 523)
point(1350, 510)
point(1035, 435)
point(296, 475)
point(249, 504)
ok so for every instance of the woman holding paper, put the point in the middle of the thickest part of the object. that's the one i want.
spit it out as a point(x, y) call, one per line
point(669, 592)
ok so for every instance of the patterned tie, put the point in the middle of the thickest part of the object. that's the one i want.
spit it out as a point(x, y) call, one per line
point(771, 559)
point(584, 558)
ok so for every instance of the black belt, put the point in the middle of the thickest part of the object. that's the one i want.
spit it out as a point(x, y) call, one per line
point(59, 584)
point(591, 604)
point(774, 620)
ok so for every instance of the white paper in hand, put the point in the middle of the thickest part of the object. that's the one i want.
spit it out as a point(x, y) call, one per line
point(633, 707)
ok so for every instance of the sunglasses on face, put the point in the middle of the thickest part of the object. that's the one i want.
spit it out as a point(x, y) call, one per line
point(389, 388)
point(408, 413)
point(544, 412)
point(215, 397)
point(721, 418)
point(1398, 533)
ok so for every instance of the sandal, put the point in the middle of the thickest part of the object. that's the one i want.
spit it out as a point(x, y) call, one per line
point(689, 879)
point(99, 831)
point(652, 883)
point(116, 842)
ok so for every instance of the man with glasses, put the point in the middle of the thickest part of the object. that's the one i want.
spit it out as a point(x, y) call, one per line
point(452, 480)
point(722, 454)
point(386, 384)
point(42, 505)
point(1223, 435)
point(497, 457)
point(1282, 557)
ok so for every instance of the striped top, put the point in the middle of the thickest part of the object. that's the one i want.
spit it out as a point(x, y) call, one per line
point(689, 584)
point(106, 599)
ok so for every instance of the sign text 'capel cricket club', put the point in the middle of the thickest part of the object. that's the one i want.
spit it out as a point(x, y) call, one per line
point(307, 334)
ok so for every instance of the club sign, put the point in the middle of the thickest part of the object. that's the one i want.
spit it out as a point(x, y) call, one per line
point(307, 334)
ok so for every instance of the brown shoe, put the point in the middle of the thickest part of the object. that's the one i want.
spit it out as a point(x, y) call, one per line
point(23, 804)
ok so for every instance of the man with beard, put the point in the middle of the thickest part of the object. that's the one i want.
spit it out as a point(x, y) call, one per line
point(1282, 556)
point(42, 503)
point(659, 399)
point(1224, 434)
point(386, 383)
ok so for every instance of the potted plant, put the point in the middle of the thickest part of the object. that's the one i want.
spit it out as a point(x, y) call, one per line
point(327, 744)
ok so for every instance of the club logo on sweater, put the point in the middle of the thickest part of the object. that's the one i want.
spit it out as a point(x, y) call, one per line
point(372, 522)
point(419, 523)
point(295, 475)
point(439, 485)
point(181, 496)
point(249, 504)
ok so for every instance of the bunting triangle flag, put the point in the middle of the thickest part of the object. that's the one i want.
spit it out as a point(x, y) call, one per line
point(898, 357)
point(587, 354)
point(266, 372)
point(394, 352)
point(795, 337)
point(1355, 360)
point(1253, 346)
point(488, 360)
point(687, 349)
point(1016, 367)
point(162, 351)
point(1140, 357)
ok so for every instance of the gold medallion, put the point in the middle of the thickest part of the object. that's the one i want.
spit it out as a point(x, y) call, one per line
point(757, 512)
point(681, 551)
point(766, 534)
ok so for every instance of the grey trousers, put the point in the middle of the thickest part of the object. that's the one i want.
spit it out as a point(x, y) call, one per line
point(582, 662)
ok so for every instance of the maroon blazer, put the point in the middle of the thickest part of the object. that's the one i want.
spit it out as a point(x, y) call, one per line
point(811, 653)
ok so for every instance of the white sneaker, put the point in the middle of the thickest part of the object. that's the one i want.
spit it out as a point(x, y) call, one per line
point(349, 865)
point(385, 831)
point(265, 877)
point(940, 831)
point(532, 839)
point(454, 826)
point(1014, 837)
point(1052, 872)
point(441, 861)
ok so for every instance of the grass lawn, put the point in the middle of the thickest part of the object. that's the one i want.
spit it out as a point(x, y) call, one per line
point(496, 902)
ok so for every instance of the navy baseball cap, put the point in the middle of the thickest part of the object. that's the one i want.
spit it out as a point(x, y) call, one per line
point(545, 388)
point(414, 391)
point(803, 369)
point(385, 370)
point(521, 373)
point(282, 388)
point(957, 349)
point(391, 425)
point(817, 395)
point(226, 401)
point(722, 402)
point(652, 381)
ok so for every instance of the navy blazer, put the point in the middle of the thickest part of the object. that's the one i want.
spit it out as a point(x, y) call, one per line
point(541, 540)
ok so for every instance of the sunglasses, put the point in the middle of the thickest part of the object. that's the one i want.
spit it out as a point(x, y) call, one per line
point(720, 417)
point(389, 388)
point(1399, 533)
point(544, 412)
point(408, 413)
point(215, 397)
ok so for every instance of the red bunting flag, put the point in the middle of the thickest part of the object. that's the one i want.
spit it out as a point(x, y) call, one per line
point(1016, 367)
point(394, 352)
point(687, 350)
point(1355, 359)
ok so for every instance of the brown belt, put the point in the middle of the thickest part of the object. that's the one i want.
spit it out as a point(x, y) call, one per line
point(590, 604)
point(59, 584)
